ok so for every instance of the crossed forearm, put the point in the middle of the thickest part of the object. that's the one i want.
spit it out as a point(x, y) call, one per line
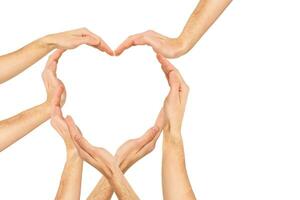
point(16, 62)
point(102, 191)
point(105, 188)
point(205, 14)
point(176, 184)
point(70, 184)
point(16, 127)
point(121, 186)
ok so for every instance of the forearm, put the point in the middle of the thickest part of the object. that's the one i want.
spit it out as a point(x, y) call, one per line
point(176, 184)
point(70, 184)
point(205, 14)
point(121, 186)
point(16, 62)
point(102, 191)
point(16, 127)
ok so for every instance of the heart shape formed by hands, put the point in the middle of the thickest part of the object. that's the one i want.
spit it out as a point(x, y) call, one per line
point(131, 151)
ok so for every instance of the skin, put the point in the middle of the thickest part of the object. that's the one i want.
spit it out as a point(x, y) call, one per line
point(103, 161)
point(205, 14)
point(176, 184)
point(128, 154)
point(16, 127)
point(70, 184)
point(16, 62)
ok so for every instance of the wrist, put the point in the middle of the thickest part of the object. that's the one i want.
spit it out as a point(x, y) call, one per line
point(46, 109)
point(72, 154)
point(182, 43)
point(47, 42)
point(172, 137)
point(70, 147)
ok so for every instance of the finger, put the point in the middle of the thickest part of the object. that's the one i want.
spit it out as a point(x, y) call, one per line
point(160, 120)
point(58, 122)
point(167, 67)
point(75, 132)
point(54, 57)
point(149, 147)
point(148, 136)
point(100, 43)
point(78, 138)
point(58, 94)
point(129, 42)
point(146, 149)
point(103, 46)
point(72, 126)
point(174, 86)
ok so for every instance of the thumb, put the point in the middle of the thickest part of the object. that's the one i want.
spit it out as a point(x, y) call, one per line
point(174, 83)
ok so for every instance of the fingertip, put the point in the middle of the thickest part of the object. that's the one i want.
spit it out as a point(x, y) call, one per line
point(159, 57)
point(118, 51)
point(155, 129)
point(69, 119)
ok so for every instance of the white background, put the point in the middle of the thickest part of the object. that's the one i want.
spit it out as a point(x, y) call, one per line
point(241, 130)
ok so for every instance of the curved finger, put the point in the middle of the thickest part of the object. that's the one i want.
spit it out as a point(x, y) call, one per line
point(77, 136)
point(103, 46)
point(174, 87)
point(58, 94)
point(166, 66)
point(148, 136)
point(126, 44)
point(160, 120)
point(146, 149)
point(100, 43)
point(54, 57)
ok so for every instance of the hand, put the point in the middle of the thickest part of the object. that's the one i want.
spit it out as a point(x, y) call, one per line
point(99, 158)
point(56, 95)
point(133, 150)
point(176, 100)
point(58, 122)
point(168, 47)
point(74, 38)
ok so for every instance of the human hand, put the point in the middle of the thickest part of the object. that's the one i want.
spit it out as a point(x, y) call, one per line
point(58, 122)
point(99, 158)
point(168, 47)
point(175, 102)
point(74, 38)
point(56, 95)
point(133, 150)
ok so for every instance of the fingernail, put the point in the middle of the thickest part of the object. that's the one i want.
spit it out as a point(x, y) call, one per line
point(155, 129)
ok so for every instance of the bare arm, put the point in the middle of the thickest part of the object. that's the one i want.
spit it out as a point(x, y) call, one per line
point(70, 183)
point(16, 127)
point(176, 184)
point(16, 62)
point(205, 14)
point(103, 161)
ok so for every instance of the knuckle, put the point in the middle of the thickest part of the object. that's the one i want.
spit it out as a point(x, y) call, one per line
point(150, 31)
